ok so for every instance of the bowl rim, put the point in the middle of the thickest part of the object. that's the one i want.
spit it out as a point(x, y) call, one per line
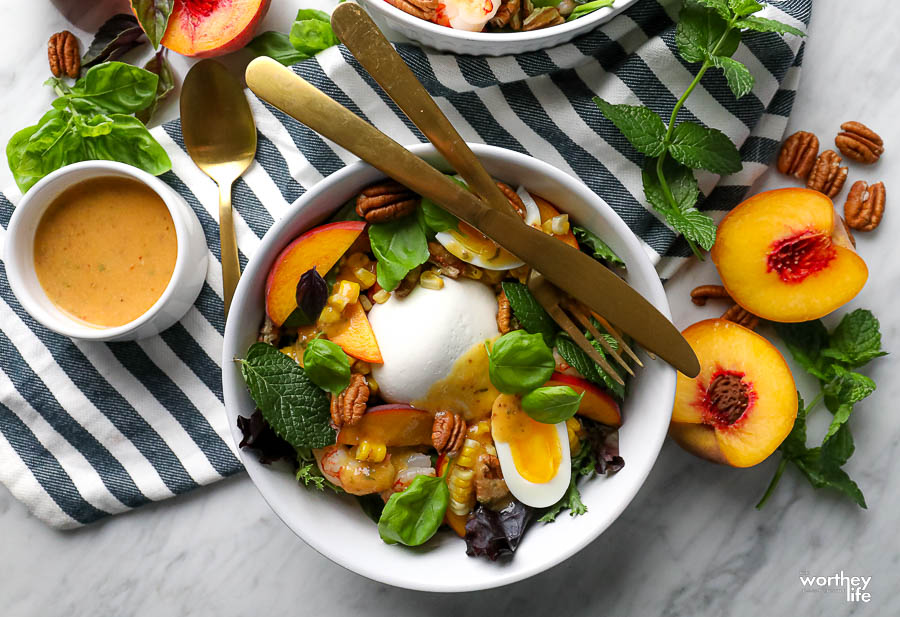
point(16, 265)
point(582, 24)
point(652, 441)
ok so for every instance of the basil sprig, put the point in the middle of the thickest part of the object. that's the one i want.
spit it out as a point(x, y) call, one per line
point(552, 404)
point(520, 362)
point(310, 33)
point(412, 516)
point(327, 365)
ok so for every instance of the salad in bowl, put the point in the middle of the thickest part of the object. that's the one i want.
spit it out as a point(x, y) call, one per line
point(401, 366)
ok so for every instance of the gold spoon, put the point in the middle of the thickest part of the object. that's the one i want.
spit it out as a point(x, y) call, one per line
point(220, 137)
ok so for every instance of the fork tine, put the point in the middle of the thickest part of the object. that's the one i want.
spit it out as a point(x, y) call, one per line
point(587, 323)
point(622, 344)
point(560, 317)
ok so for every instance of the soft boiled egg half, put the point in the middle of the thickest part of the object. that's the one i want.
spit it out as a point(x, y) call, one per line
point(534, 456)
point(471, 246)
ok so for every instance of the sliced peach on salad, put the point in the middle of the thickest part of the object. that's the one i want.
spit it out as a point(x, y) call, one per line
point(318, 248)
point(391, 425)
point(355, 336)
point(548, 213)
point(206, 28)
point(785, 256)
point(743, 403)
point(595, 404)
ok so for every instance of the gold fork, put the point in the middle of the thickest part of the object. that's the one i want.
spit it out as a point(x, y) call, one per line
point(365, 41)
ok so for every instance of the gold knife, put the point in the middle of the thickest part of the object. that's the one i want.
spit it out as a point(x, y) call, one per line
point(563, 265)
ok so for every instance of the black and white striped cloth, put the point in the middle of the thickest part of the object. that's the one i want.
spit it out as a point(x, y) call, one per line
point(88, 430)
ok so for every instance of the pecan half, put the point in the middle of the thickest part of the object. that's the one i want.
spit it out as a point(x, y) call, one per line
point(741, 316)
point(859, 142)
point(865, 205)
point(699, 295)
point(448, 432)
point(827, 175)
point(543, 17)
point(503, 312)
point(798, 154)
point(513, 198)
point(62, 52)
point(423, 9)
point(490, 487)
point(348, 407)
point(386, 201)
point(450, 265)
point(507, 9)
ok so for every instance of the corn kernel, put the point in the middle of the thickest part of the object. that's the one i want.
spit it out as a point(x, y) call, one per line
point(547, 227)
point(573, 428)
point(349, 290)
point(480, 428)
point(559, 225)
point(468, 454)
point(365, 277)
point(373, 385)
point(365, 302)
point(338, 302)
point(371, 452)
point(381, 296)
point(431, 280)
point(363, 368)
point(329, 315)
point(357, 260)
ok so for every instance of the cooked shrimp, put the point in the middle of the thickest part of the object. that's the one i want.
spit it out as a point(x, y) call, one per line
point(355, 477)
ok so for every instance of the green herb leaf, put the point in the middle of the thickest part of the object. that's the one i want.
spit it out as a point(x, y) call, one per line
point(598, 249)
point(128, 141)
point(529, 312)
point(794, 444)
point(742, 8)
point(761, 24)
point(856, 340)
point(520, 362)
point(701, 34)
point(412, 516)
point(719, 6)
point(310, 475)
point(643, 128)
point(435, 219)
point(327, 365)
point(552, 404)
point(311, 32)
point(705, 148)
point(587, 368)
point(588, 7)
point(399, 246)
point(842, 393)
point(686, 219)
point(296, 409)
point(276, 45)
point(159, 66)
point(154, 17)
point(738, 76)
point(805, 341)
point(118, 35)
point(112, 87)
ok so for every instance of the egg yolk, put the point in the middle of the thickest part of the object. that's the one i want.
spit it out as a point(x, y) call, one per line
point(535, 447)
point(469, 242)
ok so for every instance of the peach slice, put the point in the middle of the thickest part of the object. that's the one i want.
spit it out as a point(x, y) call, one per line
point(206, 28)
point(391, 425)
point(742, 404)
point(548, 211)
point(784, 256)
point(321, 248)
point(355, 336)
point(596, 404)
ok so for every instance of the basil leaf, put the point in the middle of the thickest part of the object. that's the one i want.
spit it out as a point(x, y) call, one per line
point(742, 8)
point(599, 249)
point(520, 362)
point(699, 32)
point(528, 311)
point(412, 516)
point(640, 125)
point(705, 148)
point(399, 246)
point(761, 24)
point(685, 219)
point(278, 46)
point(296, 409)
point(129, 142)
point(159, 66)
point(738, 76)
point(118, 35)
point(153, 16)
point(311, 32)
point(856, 340)
point(327, 365)
point(552, 404)
point(588, 7)
point(112, 87)
point(311, 296)
point(435, 219)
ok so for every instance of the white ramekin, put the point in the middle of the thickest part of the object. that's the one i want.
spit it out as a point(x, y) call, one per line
point(176, 299)
point(488, 43)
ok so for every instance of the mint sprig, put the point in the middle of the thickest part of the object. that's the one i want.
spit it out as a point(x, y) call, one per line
point(709, 32)
point(829, 357)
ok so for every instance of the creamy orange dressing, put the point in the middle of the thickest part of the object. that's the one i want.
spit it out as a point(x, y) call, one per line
point(467, 390)
point(535, 447)
point(105, 249)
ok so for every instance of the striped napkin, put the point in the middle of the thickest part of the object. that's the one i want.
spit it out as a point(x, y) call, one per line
point(91, 429)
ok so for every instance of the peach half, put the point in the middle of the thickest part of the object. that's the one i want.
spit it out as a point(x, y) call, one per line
point(785, 256)
point(743, 403)
point(207, 28)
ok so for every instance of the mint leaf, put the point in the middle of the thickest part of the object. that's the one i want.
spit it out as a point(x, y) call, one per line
point(856, 340)
point(685, 219)
point(806, 341)
point(705, 148)
point(742, 8)
point(838, 448)
point(719, 6)
point(761, 24)
point(528, 311)
point(794, 444)
point(738, 76)
point(399, 246)
point(296, 409)
point(700, 33)
point(842, 393)
point(643, 128)
point(598, 249)
point(588, 7)
point(587, 368)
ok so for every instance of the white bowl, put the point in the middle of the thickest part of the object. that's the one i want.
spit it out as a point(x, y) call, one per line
point(176, 299)
point(489, 43)
point(336, 526)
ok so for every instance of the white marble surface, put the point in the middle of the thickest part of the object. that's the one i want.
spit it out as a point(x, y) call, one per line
point(690, 544)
